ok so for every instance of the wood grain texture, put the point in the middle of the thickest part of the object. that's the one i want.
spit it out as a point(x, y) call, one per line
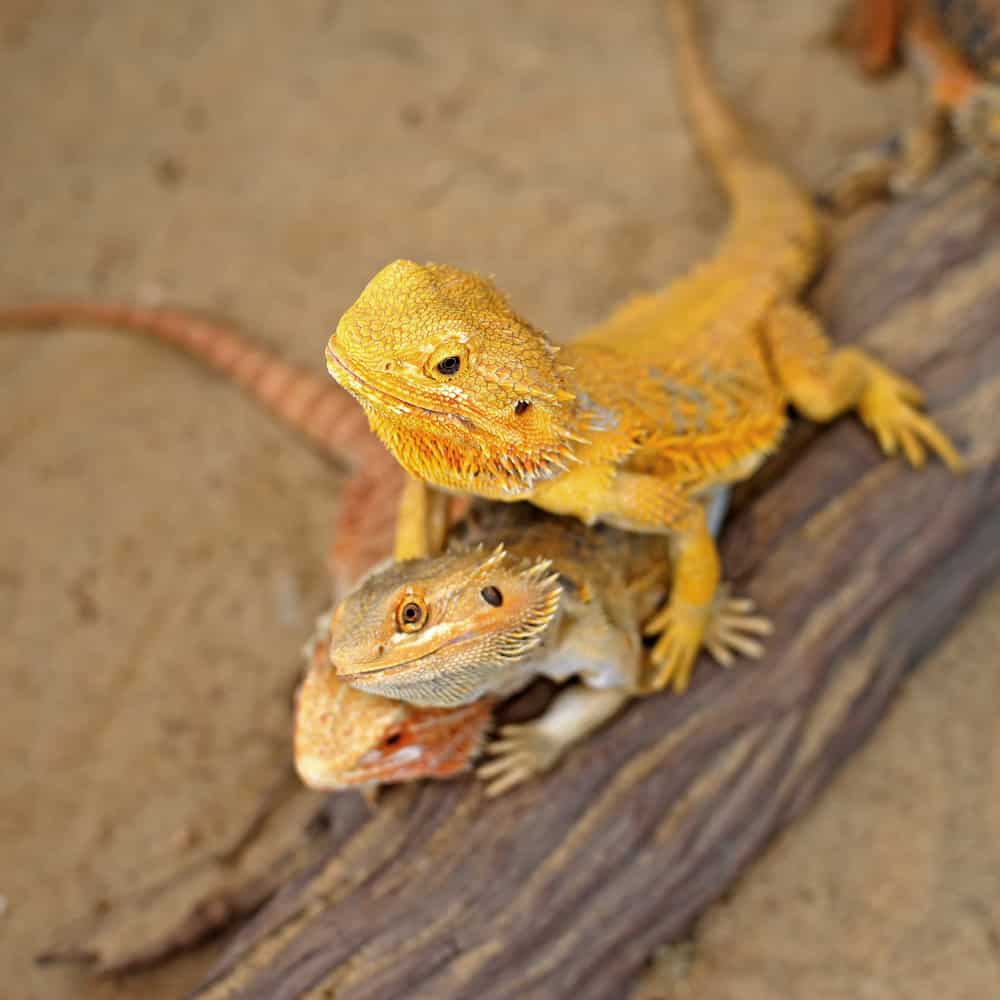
point(567, 886)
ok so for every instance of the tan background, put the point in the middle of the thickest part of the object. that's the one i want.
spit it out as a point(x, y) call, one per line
point(161, 545)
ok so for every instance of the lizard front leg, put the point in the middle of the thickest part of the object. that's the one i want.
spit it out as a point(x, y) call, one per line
point(640, 502)
point(422, 521)
point(823, 383)
point(682, 623)
point(528, 749)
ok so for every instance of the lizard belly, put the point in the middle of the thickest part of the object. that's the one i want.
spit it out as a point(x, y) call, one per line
point(596, 649)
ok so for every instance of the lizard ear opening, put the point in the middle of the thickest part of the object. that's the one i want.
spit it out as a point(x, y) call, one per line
point(521, 405)
point(492, 596)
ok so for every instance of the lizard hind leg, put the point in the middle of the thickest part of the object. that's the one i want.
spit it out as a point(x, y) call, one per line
point(823, 383)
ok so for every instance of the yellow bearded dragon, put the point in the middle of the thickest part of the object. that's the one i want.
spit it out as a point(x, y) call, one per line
point(641, 422)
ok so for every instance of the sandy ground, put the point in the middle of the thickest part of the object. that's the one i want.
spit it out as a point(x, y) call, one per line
point(162, 543)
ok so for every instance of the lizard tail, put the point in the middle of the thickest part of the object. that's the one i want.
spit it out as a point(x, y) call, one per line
point(775, 230)
point(315, 407)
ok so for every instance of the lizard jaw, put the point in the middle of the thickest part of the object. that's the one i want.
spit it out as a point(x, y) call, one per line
point(361, 388)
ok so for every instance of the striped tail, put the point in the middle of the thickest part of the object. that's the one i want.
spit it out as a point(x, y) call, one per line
point(774, 229)
point(314, 406)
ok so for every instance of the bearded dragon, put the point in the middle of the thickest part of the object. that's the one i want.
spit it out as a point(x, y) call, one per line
point(398, 742)
point(347, 738)
point(344, 738)
point(643, 420)
point(956, 46)
point(519, 594)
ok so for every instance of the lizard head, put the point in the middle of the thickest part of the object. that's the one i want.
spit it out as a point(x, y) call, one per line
point(345, 738)
point(977, 121)
point(445, 630)
point(461, 390)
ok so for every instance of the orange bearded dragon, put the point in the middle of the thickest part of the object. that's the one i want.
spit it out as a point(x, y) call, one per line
point(642, 422)
point(346, 738)
point(360, 739)
point(956, 46)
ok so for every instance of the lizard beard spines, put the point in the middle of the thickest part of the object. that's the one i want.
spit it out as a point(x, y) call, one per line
point(515, 472)
point(526, 634)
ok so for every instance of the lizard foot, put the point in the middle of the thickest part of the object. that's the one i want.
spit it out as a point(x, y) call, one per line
point(682, 632)
point(888, 408)
point(867, 177)
point(733, 629)
point(899, 166)
point(520, 752)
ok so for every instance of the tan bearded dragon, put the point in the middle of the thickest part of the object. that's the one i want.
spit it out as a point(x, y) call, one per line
point(643, 420)
point(519, 594)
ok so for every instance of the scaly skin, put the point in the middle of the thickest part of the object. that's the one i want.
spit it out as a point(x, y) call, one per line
point(344, 738)
point(298, 398)
point(957, 49)
point(520, 594)
point(642, 421)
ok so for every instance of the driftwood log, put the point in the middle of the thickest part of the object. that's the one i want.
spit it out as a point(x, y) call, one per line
point(567, 886)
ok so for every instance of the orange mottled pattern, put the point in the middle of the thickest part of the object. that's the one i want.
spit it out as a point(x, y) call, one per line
point(301, 399)
point(345, 737)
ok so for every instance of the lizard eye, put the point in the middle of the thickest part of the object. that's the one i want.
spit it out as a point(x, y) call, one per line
point(449, 365)
point(392, 739)
point(491, 596)
point(520, 406)
point(411, 615)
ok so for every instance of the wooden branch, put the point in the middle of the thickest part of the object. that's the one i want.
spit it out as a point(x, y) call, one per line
point(567, 886)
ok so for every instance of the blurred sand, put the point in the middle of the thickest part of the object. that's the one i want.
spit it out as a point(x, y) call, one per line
point(162, 544)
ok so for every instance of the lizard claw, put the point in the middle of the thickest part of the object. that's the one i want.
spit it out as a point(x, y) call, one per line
point(888, 409)
point(730, 628)
point(733, 629)
point(520, 752)
point(682, 631)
